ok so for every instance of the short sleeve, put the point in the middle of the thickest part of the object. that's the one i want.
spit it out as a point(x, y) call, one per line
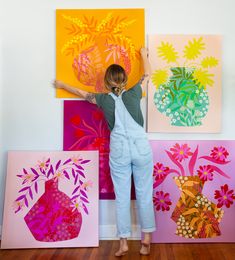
point(136, 91)
point(99, 99)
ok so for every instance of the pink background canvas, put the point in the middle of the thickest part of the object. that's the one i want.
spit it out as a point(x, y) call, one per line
point(158, 122)
point(15, 233)
point(166, 227)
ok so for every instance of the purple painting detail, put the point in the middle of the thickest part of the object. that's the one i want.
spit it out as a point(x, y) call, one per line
point(86, 129)
point(52, 218)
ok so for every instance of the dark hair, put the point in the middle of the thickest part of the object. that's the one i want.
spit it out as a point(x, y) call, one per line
point(115, 78)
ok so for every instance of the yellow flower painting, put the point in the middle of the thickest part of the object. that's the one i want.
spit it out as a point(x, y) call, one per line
point(185, 89)
point(88, 41)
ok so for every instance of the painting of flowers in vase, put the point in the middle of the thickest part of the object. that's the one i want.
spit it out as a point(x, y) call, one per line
point(185, 86)
point(85, 128)
point(194, 191)
point(51, 200)
point(89, 40)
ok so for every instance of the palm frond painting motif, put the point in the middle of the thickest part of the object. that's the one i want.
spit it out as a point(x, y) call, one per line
point(88, 41)
point(194, 191)
point(185, 88)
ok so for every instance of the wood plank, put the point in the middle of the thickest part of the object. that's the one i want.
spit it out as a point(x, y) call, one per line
point(107, 249)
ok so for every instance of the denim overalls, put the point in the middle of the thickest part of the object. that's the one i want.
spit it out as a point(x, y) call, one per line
point(130, 152)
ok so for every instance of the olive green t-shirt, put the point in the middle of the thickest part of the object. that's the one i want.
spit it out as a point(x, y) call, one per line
point(131, 99)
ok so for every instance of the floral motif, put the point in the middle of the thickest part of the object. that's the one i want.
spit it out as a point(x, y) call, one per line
point(224, 196)
point(181, 152)
point(71, 169)
point(181, 95)
point(219, 153)
point(205, 173)
point(160, 171)
point(162, 201)
point(195, 215)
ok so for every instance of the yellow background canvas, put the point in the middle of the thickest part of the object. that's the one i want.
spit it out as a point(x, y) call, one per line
point(91, 40)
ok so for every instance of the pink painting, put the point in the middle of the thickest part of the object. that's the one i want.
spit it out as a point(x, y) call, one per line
point(51, 200)
point(185, 87)
point(86, 129)
point(194, 191)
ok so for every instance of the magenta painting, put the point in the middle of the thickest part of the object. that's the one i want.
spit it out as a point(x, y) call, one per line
point(194, 191)
point(51, 200)
point(85, 128)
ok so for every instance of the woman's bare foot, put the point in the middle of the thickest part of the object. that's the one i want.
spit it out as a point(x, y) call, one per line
point(123, 247)
point(145, 244)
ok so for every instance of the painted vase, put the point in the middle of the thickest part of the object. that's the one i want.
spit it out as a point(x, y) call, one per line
point(52, 218)
point(182, 98)
point(89, 66)
point(194, 214)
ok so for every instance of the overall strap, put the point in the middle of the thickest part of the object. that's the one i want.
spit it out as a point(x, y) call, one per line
point(116, 97)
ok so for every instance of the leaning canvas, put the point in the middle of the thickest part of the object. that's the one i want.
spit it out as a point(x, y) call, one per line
point(184, 94)
point(194, 191)
point(88, 41)
point(51, 200)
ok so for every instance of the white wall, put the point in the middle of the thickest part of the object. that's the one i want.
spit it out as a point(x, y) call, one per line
point(31, 117)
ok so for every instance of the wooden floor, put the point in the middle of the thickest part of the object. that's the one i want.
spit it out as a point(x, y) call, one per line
point(107, 249)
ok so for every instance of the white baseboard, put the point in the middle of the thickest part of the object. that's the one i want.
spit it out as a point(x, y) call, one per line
point(108, 232)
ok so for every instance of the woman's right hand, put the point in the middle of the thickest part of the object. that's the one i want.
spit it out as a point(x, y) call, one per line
point(144, 52)
point(58, 84)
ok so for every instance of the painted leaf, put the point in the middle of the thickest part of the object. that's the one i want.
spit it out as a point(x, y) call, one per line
point(76, 179)
point(34, 171)
point(67, 161)
point(85, 161)
point(85, 208)
point(83, 193)
point(84, 199)
point(20, 197)
point(57, 165)
point(81, 173)
point(211, 159)
point(25, 188)
point(190, 211)
point(36, 187)
point(215, 168)
point(26, 202)
point(75, 190)
point(189, 193)
point(30, 193)
point(192, 161)
point(176, 162)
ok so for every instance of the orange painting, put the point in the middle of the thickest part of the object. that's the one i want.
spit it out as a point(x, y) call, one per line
point(88, 41)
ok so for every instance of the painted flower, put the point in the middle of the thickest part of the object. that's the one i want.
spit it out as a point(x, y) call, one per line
point(79, 133)
point(181, 152)
point(76, 159)
point(100, 143)
point(75, 120)
point(162, 201)
point(59, 175)
point(27, 177)
point(43, 165)
point(18, 205)
point(219, 153)
point(160, 171)
point(86, 185)
point(98, 115)
point(205, 173)
point(76, 205)
point(224, 196)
